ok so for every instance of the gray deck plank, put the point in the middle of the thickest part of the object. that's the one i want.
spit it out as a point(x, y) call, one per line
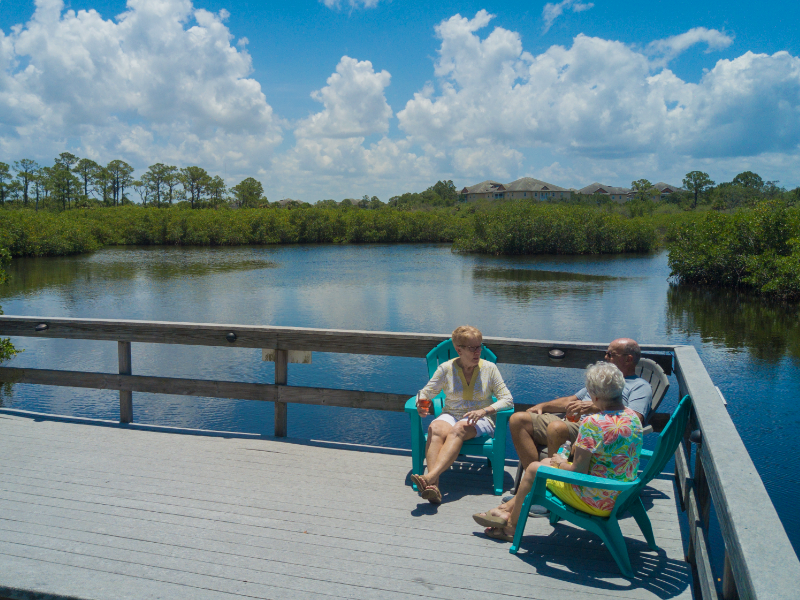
point(169, 515)
point(199, 496)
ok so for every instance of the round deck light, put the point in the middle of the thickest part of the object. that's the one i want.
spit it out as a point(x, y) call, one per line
point(42, 327)
point(231, 337)
point(556, 354)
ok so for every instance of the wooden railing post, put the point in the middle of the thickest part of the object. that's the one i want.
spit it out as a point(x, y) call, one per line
point(702, 490)
point(125, 397)
point(729, 591)
point(281, 377)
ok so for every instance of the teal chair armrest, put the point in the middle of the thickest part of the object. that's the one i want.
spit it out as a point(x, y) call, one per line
point(544, 473)
point(501, 420)
point(498, 458)
point(438, 405)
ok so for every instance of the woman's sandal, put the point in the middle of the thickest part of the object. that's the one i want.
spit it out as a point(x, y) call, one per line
point(432, 494)
point(488, 520)
point(419, 482)
point(499, 533)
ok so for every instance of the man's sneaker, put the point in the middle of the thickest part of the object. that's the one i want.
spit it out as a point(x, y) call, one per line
point(507, 498)
point(537, 510)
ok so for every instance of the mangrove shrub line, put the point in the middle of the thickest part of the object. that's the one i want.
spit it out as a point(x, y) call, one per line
point(756, 249)
point(512, 228)
point(524, 228)
point(27, 233)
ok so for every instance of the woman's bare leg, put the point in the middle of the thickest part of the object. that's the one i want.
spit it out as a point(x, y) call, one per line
point(437, 434)
point(452, 440)
point(525, 486)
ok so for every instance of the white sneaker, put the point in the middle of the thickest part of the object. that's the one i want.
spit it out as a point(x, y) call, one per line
point(537, 510)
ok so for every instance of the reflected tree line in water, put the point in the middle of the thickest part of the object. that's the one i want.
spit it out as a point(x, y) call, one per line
point(33, 275)
point(736, 320)
point(524, 285)
point(768, 330)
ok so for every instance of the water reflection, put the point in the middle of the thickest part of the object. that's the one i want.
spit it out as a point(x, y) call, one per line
point(735, 320)
point(523, 285)
point(33, 275)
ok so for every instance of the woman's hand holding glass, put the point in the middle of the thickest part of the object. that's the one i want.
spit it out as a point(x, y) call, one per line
point(424, 406)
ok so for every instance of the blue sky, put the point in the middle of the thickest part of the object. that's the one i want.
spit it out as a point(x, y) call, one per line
point(341, 100)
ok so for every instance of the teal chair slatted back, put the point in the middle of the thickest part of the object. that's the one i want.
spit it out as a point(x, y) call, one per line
point(447, 351)
point(669, 439)
point(667, 443)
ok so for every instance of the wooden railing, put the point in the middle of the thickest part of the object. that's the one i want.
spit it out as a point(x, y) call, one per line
point(759, 559)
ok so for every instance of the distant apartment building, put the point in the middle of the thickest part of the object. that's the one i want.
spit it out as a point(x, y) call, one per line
point(535, 189)
point(618, 194)
point(526, 187)
point(622, 194)
point(666, 189)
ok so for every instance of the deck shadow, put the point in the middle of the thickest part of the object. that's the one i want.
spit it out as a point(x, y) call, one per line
point(465, 478)
point(577, 556)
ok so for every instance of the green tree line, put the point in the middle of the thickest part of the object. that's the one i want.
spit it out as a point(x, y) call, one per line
point(7, 349)
point(73, 182)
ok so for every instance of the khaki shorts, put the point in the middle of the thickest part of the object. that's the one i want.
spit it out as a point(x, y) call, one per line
point(540, 423)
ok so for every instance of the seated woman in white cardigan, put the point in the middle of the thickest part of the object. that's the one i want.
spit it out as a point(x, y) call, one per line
point(469, 384)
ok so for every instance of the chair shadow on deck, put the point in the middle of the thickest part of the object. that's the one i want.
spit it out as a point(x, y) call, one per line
point(464, 478)
point(574, 555)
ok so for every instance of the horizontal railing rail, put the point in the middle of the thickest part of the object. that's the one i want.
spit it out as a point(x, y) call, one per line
point(236, 390)
point(381, 343)
point(759, 560)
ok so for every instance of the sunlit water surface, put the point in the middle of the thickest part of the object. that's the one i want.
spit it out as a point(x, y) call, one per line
point(751, 349)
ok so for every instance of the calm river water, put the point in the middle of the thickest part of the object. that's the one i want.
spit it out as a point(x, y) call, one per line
point(751, 350)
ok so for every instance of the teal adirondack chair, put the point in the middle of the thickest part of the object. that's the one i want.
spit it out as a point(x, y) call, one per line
point(494, 449)
point(628, 500)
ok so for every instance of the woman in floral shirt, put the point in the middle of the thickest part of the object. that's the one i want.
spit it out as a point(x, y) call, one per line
point(608, 445)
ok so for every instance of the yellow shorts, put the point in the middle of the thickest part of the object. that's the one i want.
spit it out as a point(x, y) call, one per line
point(567, 495)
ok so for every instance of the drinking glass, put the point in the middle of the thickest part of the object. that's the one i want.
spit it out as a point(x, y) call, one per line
point(426, 405)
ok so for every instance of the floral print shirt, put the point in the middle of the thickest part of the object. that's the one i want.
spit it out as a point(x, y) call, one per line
point(461, 397)
point(615, 440)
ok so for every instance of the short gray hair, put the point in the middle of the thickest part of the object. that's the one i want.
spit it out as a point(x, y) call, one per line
point(604, 381)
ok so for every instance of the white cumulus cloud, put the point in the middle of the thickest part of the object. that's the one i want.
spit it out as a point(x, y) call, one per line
point(354, 100)
point(330, 150)
point(551, 11)
point(161, 81)
point(600, 99)
point(337, 4)
point(669, 48)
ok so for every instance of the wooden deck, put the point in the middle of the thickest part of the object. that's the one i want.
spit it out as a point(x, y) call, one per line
point(89, 511)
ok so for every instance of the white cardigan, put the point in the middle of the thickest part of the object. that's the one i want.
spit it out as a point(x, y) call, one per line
point(461, 398)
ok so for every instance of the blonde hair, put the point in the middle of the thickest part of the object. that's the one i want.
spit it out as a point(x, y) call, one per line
point(465, 332)
point(604, 381)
